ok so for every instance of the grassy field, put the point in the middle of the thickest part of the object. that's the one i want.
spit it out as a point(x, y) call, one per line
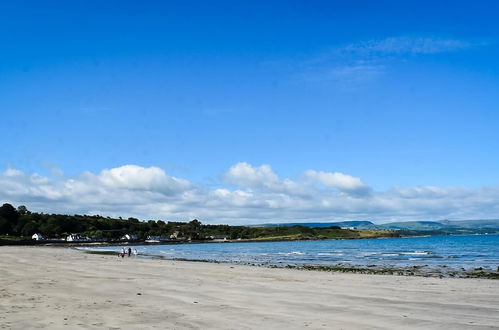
point(325, 233)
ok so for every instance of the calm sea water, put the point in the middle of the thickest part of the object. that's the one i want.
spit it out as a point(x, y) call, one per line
point(449, 251)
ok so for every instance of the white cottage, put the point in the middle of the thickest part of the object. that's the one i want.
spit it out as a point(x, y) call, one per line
point(71, 238)
point(76, 238)
point(37, 237)
point(155, 239)
point(129, 237)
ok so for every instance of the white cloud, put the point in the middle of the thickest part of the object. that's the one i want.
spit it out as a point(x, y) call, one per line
point(10, 172)
point(243, 174)
point(260, 196)
point(262, 177)
point(139, 178)
point(128, 189)
point(343, 182)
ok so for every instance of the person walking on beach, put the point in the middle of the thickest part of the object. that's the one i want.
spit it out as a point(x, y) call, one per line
point(129, 252)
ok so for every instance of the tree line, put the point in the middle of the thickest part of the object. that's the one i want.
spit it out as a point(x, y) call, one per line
point(20, 222)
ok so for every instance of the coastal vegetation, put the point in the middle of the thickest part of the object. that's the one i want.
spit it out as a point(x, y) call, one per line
point(20, 223)
point(414, 228)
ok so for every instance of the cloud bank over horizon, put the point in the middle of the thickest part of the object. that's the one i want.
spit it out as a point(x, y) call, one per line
point(246, 194)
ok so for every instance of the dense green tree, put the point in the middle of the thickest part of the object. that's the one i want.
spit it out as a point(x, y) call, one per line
point(22, 210)
point(9, 217)
point(21, 222)
point(29, 229)
point(5, 227)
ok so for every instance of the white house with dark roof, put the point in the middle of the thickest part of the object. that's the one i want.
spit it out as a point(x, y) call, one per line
point(76, 238)
point(37, 237)
point(129, 237)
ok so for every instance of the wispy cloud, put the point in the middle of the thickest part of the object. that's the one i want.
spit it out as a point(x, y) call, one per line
point(406, 46)
point(344, 76)
point(248, 194)
point(354, 65)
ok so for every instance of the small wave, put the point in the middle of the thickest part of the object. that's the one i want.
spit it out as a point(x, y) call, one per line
point(367, 254)
point(290, 253)
point(416, 253)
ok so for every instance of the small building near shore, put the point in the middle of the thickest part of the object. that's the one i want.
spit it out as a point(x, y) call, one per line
point(218, 238)
point(129, 237)
point(37, 237)
point(155, 239)
point(77, 238)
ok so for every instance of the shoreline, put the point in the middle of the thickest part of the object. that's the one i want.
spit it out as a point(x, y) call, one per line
point(63, 243)
point(414, 270)
point(55, 287)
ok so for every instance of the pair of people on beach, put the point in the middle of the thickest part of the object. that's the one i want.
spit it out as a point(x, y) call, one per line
point(129, 252)
point(124, 251)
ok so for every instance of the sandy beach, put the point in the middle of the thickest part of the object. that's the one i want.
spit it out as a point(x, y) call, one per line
point(53, 288)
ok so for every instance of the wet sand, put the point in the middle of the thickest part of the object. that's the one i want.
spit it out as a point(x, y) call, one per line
point(54, 288)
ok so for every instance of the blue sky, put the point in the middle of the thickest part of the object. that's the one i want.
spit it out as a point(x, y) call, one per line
point(248, 111)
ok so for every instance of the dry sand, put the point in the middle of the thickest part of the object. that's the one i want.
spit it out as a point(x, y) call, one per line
point(53, 288)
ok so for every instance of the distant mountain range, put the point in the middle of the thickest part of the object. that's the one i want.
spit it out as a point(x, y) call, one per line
point(410, 227)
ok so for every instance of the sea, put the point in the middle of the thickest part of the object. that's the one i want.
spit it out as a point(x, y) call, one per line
point(455, 252)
